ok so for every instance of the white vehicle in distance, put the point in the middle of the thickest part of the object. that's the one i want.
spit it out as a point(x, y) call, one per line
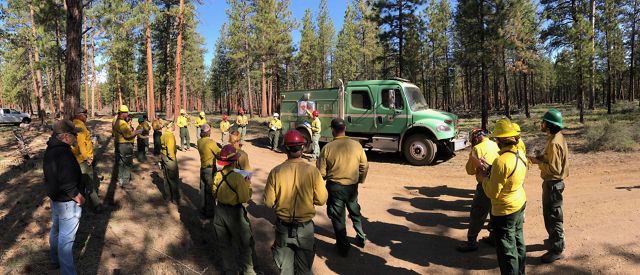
point(12, 116)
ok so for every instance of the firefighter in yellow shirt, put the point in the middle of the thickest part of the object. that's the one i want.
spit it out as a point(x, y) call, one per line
point(170, 164)
point(242, 121)
point(224, 129)
point(231, 223)
point(553, 171)
point(344, 165)
point(200, 120)
point(183, 124)
point(243, 159)
point(316, 127)
point(83, 151)
point(484, 152)
point(275, 125)
point(208, 150)
point(504, 187)
point(124, 137)
point(293, 189)
point(143, 138)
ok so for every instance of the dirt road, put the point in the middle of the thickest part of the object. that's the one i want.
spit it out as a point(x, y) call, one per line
point(415, 218)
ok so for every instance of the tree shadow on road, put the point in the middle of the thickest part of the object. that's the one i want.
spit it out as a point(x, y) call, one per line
point(443, 190)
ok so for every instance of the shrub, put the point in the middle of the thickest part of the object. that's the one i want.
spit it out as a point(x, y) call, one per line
point(610, 136)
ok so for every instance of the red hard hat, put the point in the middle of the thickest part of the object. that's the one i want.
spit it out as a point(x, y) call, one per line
point(315, 113)
point(241, 110)
point(228, 155)
point(225, 117)
point(293, 138)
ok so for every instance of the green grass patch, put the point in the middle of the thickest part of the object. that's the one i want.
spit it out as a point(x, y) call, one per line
point(611, 135)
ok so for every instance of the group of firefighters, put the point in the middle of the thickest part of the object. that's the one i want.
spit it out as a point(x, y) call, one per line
point(498, 160)
point(293, 188)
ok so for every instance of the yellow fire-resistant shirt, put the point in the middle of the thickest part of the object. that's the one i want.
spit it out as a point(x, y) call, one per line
point(123, 132)
point(554, 163)
point(182, 121)
point(242, 120)
point(505, 183)
point(275, 124)
point(200, 121)
point(168, 142)
point(224, 126)
point(235, 190)
point(208, 150)
point(84, 149)
point(157, 125)
point(521, 147)
point(343, 161)
point(146, 128)
point(243, 161)
point(315, 124)
point(293, 188)
point(486, 149)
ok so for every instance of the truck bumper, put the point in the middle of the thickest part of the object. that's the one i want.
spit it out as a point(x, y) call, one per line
point(461, 141)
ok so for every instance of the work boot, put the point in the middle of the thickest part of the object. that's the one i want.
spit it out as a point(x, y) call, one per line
point(467, 246)
point(551, 257)
point(359, 242)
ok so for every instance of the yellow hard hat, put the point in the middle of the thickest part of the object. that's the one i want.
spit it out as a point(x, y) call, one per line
point(516, 127)
point(504, 128)
point(123, 109)
point(182, 111)
point(201, 114)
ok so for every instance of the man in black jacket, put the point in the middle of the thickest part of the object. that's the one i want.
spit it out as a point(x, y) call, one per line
point(62, 177)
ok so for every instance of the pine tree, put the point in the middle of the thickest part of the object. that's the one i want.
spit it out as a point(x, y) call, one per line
point(397, 17)
point(307, 54)
point(346, 55)
point(324, 47)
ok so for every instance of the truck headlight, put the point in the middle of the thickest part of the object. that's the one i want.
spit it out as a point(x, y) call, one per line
point(443, 128)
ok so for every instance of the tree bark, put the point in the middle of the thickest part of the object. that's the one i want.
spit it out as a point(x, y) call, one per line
point(36, 55)
point(632, 73)
point(507, 103)
point(33, 75)
point(178, 60)
point(263, 105)
point(483, 67)
point(59, 65)
point(74, 62)
point(85, 60)
point(93, 80)
point(151, 110)
point(592, 56)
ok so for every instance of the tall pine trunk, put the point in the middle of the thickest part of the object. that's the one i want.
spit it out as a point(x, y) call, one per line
point(36, 55)
point(93, 80)
point(151, 110)
point(85, 60)
point(60, 97)
point(263, 105)
point(507, 102)
point(176, 111)
point(632, 70)
point(74, 51)
point(592, 56)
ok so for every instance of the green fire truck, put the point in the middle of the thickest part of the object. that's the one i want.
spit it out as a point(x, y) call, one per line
point(383, 115)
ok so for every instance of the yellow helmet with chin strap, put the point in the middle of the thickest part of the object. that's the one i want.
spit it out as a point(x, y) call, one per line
point(503, 129)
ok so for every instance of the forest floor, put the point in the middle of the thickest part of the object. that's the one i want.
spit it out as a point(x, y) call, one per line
point(415, 216)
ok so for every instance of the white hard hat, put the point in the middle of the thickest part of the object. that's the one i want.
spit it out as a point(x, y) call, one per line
point(276, 114)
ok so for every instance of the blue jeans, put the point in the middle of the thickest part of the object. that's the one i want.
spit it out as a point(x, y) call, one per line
point(65, 219)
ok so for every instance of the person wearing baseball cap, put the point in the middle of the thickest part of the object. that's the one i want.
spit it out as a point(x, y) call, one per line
point(225, 125)
point(242, 121)
point(231, 223)
point(343, 164)
point(62, 177)
point(275, 125)
point(83, 151)
point(482, 155)
point(170, 164)
point(124, 138)
point(208, 150)
point(293, 190)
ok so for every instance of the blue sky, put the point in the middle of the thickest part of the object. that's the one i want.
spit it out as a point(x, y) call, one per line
point(212, 15)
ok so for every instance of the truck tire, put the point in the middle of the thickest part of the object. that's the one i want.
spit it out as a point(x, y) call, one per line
point(26, 120)
point(419, 150)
